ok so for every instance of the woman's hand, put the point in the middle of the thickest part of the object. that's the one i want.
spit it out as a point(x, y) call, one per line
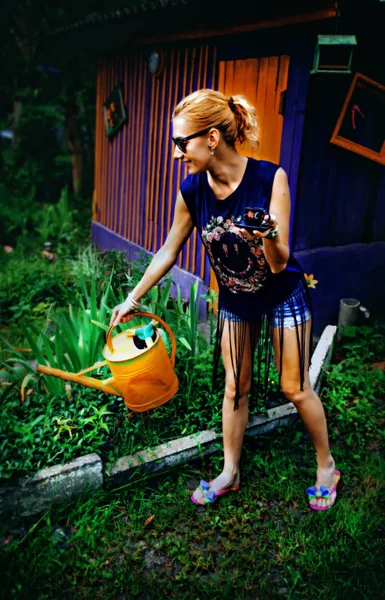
point(120, 314)
point(268, 219)
point(276, 239)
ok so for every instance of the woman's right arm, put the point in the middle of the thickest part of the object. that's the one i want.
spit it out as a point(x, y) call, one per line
point(162, 262)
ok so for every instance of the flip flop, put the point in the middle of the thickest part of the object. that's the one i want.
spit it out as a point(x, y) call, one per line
point(209, 497)
point(323, 492)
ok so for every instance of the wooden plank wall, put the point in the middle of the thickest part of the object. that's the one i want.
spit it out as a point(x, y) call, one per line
point(261, 80)
point(294, 116)
point(136, 177)
point(341, 195)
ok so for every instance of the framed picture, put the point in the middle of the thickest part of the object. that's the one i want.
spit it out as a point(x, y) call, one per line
point(115, 113)
point(361, 124)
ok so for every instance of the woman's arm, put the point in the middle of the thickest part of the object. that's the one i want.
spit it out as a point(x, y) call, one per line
point(163, 260)
point(277, 249)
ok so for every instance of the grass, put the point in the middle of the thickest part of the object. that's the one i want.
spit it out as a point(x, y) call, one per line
point(148, 540)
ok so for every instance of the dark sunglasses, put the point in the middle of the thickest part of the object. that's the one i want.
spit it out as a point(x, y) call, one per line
point(181, 143)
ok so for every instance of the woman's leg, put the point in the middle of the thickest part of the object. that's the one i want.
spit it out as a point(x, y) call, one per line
point(234, 422)
point(307, 403)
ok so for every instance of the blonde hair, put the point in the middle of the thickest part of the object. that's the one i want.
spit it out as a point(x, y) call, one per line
point(233, 116)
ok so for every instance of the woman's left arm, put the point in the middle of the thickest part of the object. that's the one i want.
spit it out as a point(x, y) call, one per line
point(277, 249)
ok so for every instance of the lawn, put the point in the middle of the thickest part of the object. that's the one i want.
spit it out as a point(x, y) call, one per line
point(148, 541)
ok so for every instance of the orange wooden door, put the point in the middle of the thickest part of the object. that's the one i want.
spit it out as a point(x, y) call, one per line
point(262, 81)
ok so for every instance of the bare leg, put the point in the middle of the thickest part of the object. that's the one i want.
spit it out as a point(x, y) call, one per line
point(234, 422)
point(307, 403)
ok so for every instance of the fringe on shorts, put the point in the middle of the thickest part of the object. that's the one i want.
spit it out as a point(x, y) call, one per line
point(295, 310)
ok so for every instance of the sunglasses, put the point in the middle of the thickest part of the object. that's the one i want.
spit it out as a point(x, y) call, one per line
point(181, 143)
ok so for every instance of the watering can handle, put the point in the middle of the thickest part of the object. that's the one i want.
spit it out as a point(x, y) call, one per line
point(160, 321)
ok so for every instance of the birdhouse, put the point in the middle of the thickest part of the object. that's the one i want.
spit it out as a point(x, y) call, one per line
point(333, 54)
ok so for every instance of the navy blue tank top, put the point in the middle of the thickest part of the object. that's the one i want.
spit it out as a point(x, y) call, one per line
point(247, 287)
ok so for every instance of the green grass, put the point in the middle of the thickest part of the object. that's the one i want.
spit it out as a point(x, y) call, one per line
point(148, 540)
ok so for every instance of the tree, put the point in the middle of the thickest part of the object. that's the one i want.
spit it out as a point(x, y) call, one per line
point(48, 107)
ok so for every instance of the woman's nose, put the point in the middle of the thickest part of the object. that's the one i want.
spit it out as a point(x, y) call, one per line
point(177, 153)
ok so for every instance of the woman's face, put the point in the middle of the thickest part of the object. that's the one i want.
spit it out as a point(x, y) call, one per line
point(196, 151)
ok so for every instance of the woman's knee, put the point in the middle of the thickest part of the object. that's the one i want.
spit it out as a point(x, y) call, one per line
point(294, 393)
point(231, 391)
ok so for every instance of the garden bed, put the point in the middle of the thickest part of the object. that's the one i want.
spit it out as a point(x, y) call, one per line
point(27, 496)
point(45, 421)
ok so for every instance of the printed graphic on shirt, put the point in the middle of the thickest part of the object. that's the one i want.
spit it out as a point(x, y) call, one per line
point(239, 263)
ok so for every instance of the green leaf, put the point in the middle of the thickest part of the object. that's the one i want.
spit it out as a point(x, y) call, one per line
point(185, 343)
point(101, 325)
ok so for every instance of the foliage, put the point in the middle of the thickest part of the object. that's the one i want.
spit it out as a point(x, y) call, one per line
point(46, 430)
point(71, 341)
point(262, 543)
point(355, 390)
point(15, 215)
point(188, 320)
point(73, 338)
point(56, 223)
point(57, 227)
point(90, 262)
point(30, 165)
point(30, 286)
point(50, 111)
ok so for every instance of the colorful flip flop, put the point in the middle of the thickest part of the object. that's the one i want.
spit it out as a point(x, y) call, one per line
point(210, 496)
point(323, 492)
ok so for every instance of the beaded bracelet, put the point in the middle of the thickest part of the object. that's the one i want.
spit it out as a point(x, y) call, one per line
point(272, 234)
point(132, 304)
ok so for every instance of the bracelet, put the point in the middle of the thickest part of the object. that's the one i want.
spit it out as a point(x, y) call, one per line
point(272, 234)
point(132, 303)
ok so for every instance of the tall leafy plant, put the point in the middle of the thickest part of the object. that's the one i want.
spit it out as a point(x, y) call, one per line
point(188, 332)
point(71, 341)
point(55, 222)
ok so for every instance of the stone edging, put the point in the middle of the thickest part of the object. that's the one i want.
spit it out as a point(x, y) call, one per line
point(62, 483)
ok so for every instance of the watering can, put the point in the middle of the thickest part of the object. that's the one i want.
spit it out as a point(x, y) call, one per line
point(142, 371)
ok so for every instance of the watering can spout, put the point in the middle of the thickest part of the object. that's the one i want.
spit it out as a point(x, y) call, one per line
point(106, 385)
point(142, 371)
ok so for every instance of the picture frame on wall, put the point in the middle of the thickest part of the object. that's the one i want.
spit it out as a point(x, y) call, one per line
point(360, 126)
point(115, 112)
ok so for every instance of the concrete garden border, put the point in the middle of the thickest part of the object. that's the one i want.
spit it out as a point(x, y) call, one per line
point(58, 484)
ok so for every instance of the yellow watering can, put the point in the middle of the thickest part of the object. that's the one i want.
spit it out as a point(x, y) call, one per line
point(142, 371)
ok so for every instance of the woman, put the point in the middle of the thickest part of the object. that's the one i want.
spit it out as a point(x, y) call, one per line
point(263, 294)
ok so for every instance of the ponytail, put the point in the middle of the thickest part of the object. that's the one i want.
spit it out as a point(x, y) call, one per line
point(234, 116)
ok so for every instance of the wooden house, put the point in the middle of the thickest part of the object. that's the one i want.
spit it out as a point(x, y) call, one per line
point(320, 106)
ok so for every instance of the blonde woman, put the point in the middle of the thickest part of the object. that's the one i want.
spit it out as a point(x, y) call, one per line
point(263, 296)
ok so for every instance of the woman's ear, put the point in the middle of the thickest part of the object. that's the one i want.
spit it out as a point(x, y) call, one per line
point(214, 137)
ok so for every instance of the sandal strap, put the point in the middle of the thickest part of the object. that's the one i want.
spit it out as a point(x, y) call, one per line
point(323, 492)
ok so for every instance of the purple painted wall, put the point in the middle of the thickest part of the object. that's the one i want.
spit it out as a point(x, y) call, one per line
point(351, 271)
point(106, 239)
point(339, 213)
